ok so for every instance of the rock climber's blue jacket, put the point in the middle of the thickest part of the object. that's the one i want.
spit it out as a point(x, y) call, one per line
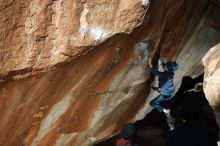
point(166, 78)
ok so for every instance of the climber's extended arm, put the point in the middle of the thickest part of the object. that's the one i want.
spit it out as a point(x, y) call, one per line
point(156, 72)
point(153, 70)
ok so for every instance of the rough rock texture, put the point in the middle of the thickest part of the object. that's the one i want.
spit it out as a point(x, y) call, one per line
point(47, 32)
point(74, 71)
point(211, 62)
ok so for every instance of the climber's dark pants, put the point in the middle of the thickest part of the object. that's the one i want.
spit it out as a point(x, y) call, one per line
point(155, 103)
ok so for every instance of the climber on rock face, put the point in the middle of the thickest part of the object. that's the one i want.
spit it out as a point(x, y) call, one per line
point(166, 85)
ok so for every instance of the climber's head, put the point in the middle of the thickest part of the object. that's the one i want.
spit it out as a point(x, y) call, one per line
point(171, 66)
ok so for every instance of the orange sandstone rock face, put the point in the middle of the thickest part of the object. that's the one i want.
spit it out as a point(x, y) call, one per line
point(73, 72)
point(44, 33)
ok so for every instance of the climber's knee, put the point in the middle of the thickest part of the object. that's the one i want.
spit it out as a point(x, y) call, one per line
point(151, 103)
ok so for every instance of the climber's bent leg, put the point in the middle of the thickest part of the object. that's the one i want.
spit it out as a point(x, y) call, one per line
point(155, 103)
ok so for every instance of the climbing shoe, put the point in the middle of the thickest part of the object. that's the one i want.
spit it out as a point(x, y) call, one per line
point(166, 112)
point(169, 119)
point(170, 123)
